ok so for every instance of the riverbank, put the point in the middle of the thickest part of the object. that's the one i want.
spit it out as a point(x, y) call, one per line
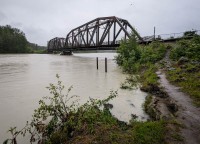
point(183, 100)
point(180, 79)
point(160, 106)
point(165, 101)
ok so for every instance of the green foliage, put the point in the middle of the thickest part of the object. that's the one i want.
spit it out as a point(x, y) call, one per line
point(147, 102)
point(132, 57)
point(40, 51)
point(69, 119)
point(189, 33)
point(12, 40)
point(148, 108)
point(177, 137)
point(187, 48)
point(131, 82)
point(36, 48)
point(187, 76)
point(153, 52)
point(149, 133)
point(149, 80)
point(149, 76)
point(128, 54)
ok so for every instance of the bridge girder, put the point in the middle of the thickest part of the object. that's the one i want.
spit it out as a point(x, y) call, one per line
point(91, 34)
point(98, 33)
point(56, 43)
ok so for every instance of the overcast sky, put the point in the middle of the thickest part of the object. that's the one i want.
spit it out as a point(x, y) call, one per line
point(42, 20)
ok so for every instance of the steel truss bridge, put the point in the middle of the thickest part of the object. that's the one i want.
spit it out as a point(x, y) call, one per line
point(102, 33)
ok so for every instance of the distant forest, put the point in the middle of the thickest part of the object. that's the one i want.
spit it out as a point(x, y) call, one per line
point(13, 40)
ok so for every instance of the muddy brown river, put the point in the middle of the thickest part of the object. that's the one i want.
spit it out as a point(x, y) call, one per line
point(23, 78)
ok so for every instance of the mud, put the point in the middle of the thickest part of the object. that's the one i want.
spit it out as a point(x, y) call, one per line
point(187, 114)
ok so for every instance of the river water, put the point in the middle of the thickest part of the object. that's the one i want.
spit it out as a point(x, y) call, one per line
point(23, 78)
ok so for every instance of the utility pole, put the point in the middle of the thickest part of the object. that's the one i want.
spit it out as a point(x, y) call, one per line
point(154, 33)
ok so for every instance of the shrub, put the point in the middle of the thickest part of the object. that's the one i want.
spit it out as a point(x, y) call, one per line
point(187, 48)
point(153, 52)
point(128, 54)
point(131, 57)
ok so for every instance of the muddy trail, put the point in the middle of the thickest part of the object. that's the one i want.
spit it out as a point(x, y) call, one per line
point(187, 114)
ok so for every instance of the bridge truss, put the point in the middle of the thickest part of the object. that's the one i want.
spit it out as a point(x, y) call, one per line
point(100, 33)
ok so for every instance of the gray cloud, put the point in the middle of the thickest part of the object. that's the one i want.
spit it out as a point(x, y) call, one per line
point(43, 20)
point(2, 16)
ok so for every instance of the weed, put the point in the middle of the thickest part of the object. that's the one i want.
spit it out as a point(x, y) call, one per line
point(149, 133)
point(187, 77)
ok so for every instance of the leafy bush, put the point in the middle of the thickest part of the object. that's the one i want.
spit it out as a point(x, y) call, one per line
point(131, 82)
point(153, 52)
point(187, 48)
point(131, 56)
point(128, 54)
point(189, 33)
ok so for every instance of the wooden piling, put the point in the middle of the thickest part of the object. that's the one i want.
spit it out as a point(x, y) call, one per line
point(106, 65)
point(97, 63)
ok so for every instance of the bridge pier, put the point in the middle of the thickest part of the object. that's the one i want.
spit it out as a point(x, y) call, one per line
point(66, 53)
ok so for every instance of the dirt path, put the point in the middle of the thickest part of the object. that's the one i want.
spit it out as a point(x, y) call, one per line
point(187, 114)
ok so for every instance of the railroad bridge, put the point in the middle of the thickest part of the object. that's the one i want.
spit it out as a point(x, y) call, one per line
point(102, 33)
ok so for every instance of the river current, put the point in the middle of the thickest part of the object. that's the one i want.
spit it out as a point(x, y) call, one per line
point(23, 78)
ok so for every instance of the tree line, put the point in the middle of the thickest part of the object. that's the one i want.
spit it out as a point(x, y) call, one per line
point(13, 40)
